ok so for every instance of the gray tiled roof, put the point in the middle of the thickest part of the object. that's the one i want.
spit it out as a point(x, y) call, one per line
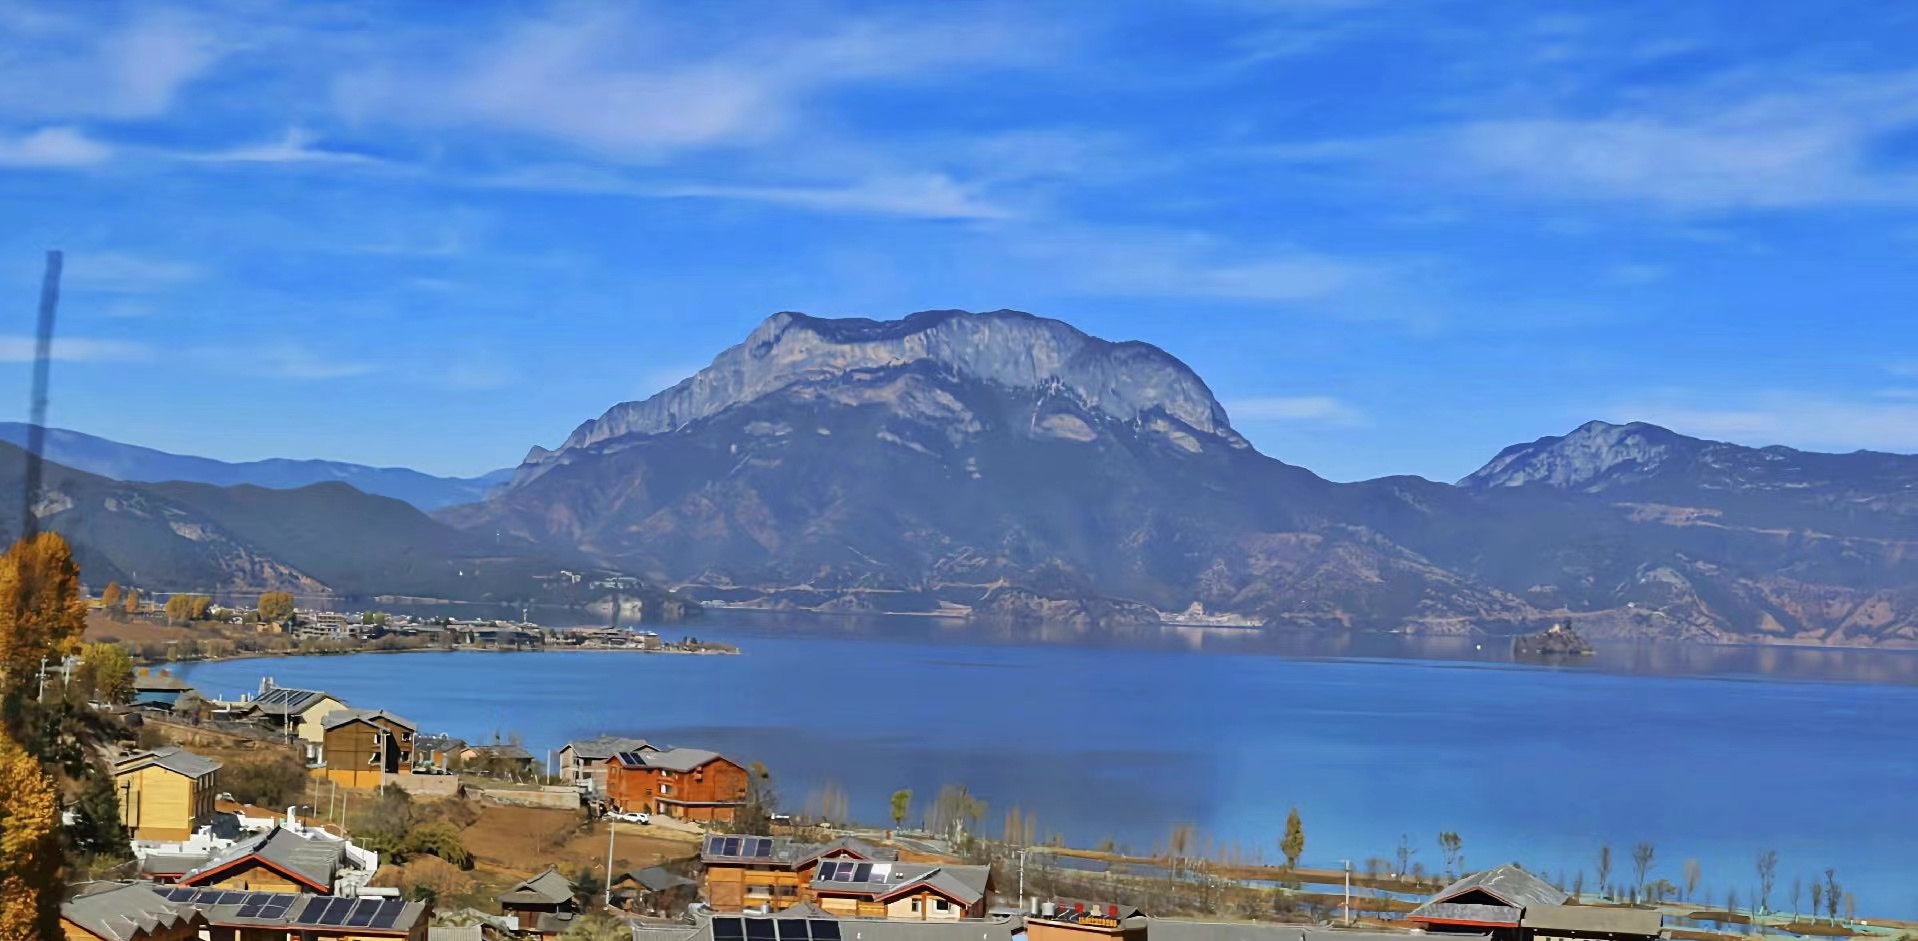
point(1509, 884)
point(604, 747)
point(655, 879)
point(285, 701)
point(314, 859)
point(171, 757)
point(672, 759)
point(306, 912)
point(547, 888)
point(339, 717)
point(120, 911)
point(1476, 914)
point(966, 884)
point(790, 852)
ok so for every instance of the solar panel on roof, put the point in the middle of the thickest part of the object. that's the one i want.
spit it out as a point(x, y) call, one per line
point(824, 930)
point(333, 914)
point(764, 849)
point(862, 873)
point(728, 929)
point(276, 906)
point(389, 913)
point(793, 929)
point(252, 907)
point(713, 844)
point(732, 846)
point(178, 895)
point(759, 929)
point(362, 914)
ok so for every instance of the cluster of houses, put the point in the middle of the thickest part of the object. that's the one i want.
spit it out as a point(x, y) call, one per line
point(632, 774)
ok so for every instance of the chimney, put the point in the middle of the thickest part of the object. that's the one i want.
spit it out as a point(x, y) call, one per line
point(1048, 909)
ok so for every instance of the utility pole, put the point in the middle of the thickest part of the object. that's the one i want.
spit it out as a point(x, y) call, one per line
point(1022, 877)
point(1348, 891)
point(612, 827)
point(37, 418)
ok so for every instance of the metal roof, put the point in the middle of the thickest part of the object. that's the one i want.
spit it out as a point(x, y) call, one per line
point(835, 929)
point(286, 910)
point(654, 879)
point(123, 911)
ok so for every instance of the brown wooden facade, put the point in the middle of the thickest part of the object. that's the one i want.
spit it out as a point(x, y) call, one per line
point(733, 887)
point(162, 803)
point(710, 792)
point(363, 751)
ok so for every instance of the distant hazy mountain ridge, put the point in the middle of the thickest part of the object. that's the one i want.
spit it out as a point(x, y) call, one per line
point(130, 462)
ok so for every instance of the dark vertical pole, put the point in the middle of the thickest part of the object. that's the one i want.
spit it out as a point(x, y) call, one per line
point(37, 422)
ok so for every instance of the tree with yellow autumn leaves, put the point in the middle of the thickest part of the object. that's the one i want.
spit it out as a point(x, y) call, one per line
point(42, 614)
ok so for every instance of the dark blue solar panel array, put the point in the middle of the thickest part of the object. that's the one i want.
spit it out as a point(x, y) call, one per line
point(756, 847)
point(774, 929)
point(379, 914)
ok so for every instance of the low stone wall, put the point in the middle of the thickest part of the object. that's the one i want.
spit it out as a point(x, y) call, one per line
point(555, 796)
point(427, 785)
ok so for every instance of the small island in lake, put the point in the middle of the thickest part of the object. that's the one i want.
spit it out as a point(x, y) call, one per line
point(1559, 640)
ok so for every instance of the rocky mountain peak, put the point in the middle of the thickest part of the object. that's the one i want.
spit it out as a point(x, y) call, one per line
point(1593, 456)
point(1012, 350)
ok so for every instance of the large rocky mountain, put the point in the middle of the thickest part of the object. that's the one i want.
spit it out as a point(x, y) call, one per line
point(131, 462)
point(1015, 467)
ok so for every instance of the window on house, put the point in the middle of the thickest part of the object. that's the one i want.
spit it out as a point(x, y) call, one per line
point(941, 905)
point(915, 906)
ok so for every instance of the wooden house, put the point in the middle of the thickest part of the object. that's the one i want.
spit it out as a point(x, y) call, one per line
point(166, 794)
point(653, 891)
point(899, 891)
point(583, 763)
point(742, 872)
point(686, 783)
point(279, 860)
point(362, 748)
point(157, 689)
point(128, 911)
point(298, 714)
point(543, 905)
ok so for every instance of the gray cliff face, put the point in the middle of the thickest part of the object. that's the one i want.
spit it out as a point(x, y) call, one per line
point(1592, 457)
point(1129, 382)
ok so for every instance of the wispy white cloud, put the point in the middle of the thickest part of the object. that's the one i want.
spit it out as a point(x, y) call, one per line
point(62, 64)
point(622, 84)
point(288, 360)
point(52, 147)
point(1296, 409)
point(925, 196)
point(296, 146)
point(20, 349)
point(1809, 420)
point(1729, 145)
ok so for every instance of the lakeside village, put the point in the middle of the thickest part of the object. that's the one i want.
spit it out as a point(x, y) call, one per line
point(296, 815)
point(188, 627)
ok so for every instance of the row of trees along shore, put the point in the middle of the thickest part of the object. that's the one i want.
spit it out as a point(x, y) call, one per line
point(1188, 857)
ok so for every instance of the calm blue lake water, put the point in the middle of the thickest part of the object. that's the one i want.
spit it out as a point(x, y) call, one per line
point(1709, 753)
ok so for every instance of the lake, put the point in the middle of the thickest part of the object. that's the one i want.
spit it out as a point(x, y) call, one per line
point(1708, 753)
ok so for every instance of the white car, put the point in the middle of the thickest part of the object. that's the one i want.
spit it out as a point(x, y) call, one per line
point(630, 816)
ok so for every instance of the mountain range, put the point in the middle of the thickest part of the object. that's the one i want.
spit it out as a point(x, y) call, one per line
point(1011, 467)
point(1014, 467)
point(130, 462)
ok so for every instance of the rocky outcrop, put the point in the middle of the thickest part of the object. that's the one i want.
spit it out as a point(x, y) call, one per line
point(1594, 456)
point(1035, 357)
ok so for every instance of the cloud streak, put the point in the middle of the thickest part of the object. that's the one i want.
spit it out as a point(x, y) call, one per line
point(1808, 420)
point(1296, 409)
point(52, 147)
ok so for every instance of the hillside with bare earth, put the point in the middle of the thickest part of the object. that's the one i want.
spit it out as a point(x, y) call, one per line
point(1017, 468)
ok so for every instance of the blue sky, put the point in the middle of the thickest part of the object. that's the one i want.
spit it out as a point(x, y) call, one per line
point(1394, 236)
